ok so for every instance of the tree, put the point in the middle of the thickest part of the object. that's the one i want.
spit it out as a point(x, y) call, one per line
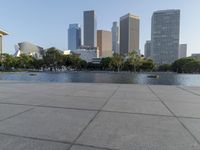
point(105, 63)
point(116, 62)
point(67, 62)
point(147, 64)
point(7, 61)
point(134, 60)
point(192, 67)
point(37, 63)
point(178, 65)
point(52, 58)
point(165, 67)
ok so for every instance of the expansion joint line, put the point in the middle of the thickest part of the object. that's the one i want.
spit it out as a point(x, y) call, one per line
point(107, 100)
point(186, 90)
point(174, 115)
point(17, 114)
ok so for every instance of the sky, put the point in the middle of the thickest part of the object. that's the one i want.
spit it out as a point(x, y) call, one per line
point(45, 22)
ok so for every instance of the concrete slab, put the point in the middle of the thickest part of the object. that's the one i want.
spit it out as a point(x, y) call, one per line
point(77, 102)
point(91, 93)
point(48, 123)
point(137, 106)
point(195, 90)
point(181, 98)
point(75, 147)
point(175, 94)
point(29, 99)
point(193, 125)
point(62, 90)
point(18, 143)
point(185, 109)
point(135, 96)
point(134, 88)
point(7, 111)
point(51, 120)
point(133, 132)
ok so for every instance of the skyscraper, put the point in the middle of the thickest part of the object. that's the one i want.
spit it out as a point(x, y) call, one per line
point(104, 43)
point(147, 49)
point(115, 38)
point(90, 28)
point(129, 33)
point(165, 36)
point(2, 33)
point(74, 37)
point(182, 52)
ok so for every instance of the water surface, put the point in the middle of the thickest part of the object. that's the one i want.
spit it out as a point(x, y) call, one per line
point(105, 77)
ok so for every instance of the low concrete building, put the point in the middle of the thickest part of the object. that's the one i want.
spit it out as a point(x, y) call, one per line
point(67, 52)
point(196, 55)
point(2, 33)
point(87, 55)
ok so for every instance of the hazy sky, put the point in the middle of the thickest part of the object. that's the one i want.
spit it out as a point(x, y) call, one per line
point(45, 22)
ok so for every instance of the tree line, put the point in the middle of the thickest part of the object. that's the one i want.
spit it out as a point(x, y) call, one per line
point(54, 60)
point(183, 65)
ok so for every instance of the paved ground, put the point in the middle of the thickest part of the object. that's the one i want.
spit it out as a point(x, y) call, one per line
point(52, 116)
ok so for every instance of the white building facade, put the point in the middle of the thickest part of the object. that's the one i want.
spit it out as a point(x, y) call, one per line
point(87, 55)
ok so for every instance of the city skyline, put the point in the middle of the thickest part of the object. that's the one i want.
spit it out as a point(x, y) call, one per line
point(36, 26)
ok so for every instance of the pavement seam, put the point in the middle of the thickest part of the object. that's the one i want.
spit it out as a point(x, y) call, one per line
point(16, 114)
point(85, 109)
point(34, 138)
point(178, 119)
point(74, 142)
point(186, 90)
point(91, 146)
point(46, 106)
point(51, 140)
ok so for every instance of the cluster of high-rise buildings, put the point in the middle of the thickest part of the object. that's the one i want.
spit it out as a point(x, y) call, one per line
point(119, 40)
point(163, 48)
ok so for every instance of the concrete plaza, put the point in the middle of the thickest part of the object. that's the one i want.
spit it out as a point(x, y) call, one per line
point(82, 116)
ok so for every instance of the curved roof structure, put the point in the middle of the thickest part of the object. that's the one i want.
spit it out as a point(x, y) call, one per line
point(2, 32)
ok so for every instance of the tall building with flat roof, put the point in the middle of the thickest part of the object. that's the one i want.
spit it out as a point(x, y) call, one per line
point(104, 43)
point(74, 37)
point(115, 38)
point(165, 34)
point(182, 52)
point(129, 34)
point(2, 33)
point(90, 28)
point(147, 49)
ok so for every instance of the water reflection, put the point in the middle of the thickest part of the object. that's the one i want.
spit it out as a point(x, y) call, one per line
point(106, 77)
